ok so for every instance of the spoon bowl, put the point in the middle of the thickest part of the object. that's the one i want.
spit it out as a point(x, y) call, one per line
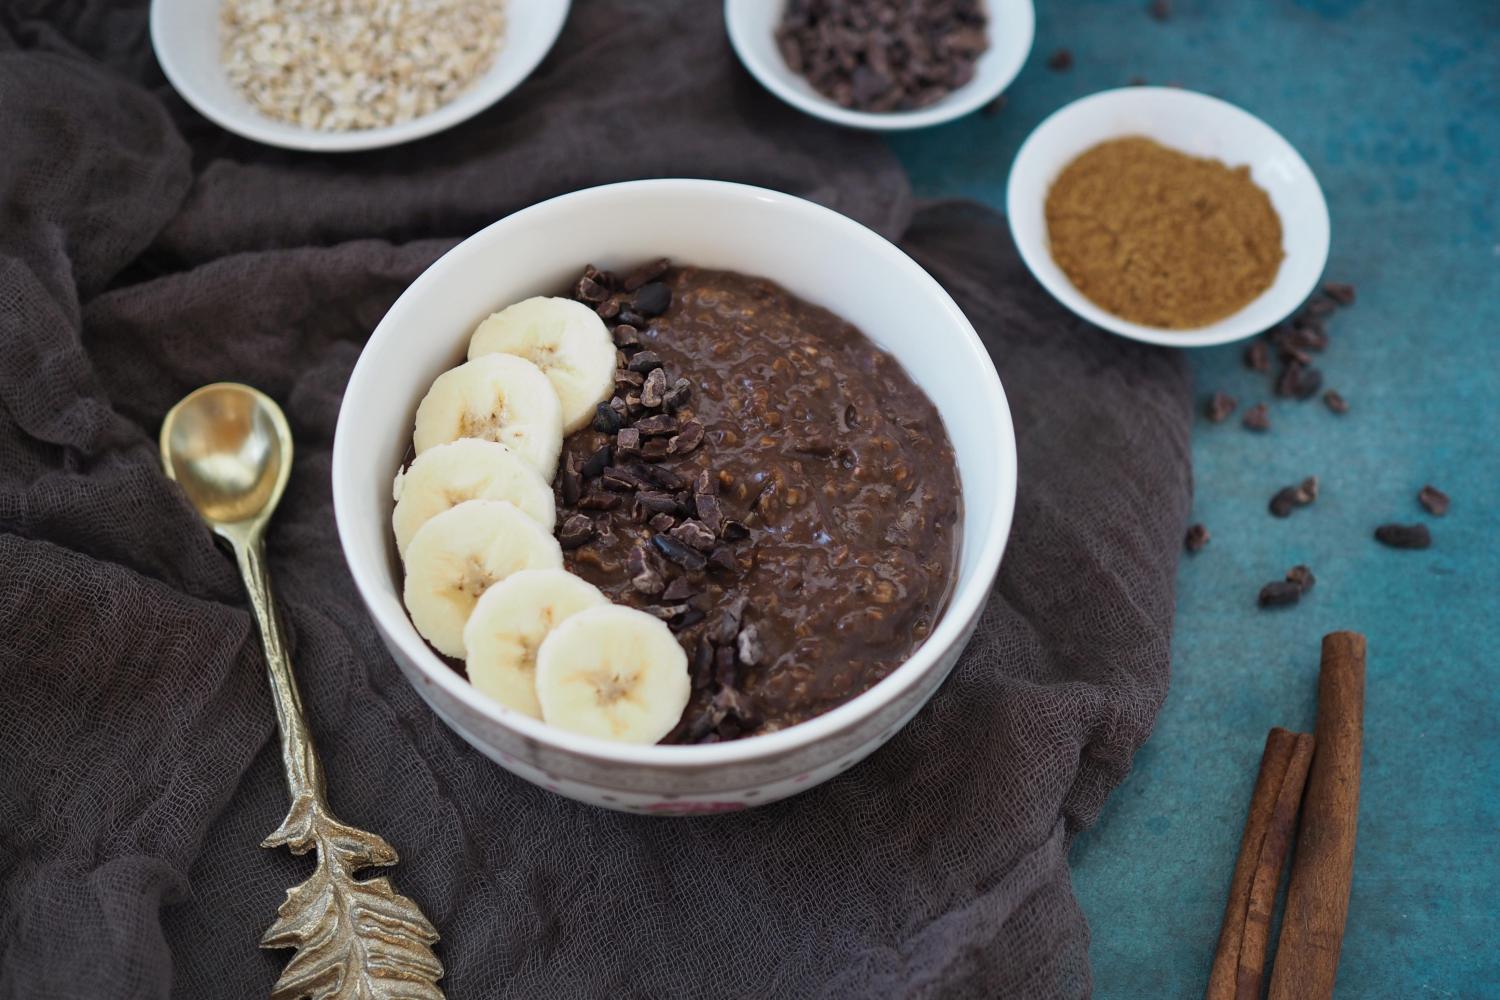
point(230, 448)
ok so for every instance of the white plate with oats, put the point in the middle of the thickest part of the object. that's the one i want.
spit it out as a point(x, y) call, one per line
point(336, 75)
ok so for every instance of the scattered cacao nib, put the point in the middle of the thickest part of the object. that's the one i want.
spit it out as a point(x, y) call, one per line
point(1302, 577)
point(1307, 491)
point(599, 501)
point(632, 318)
point(628, 441)
point(709, 512)
point(1197, 538)
point(1340, 292)
point(707, 484)
point(1258, 356)
point(729, 621)
point(733, 531)
point(1257, 418)
point(700, 728)
point(703, 661)
point(1404, 536)
point(652, 299)
point(690, 617)
point(653, 392)
point(655, 449)
point(726, 673)
point(1320, 307)
point(608, 309)
point(677, 397)
point(591, 291)
point(662, 522)
point(688, 438)
point(649, 271)
point(683, 555)
point(733, 702)
point(1060, 61)
point(1220, 405)
point(644, 575)
point(748, 646)
point(657, 502)
point(596, 463)
point(1308, 335)
point(1161, 10)
point(993, 108)
point(1284, 502)
point(575, 531)
point(1335, 401)
point(644, 362)
point(696, 534)
point(571, 481)
point(723, 558)
point(1434, 499)
point(659, 423)
point(606, 420)
point(627, 336)
point(666, 612)
point(1298, 381)
point(617, 479)
point(680, 589)
point(665, 478)
point(1279, 594)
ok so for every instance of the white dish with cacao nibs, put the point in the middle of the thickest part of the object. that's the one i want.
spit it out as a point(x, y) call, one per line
point(891, 84)
point(737, 245)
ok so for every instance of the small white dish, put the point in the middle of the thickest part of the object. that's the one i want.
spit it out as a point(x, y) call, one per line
point(752, 32)
point(813, 252)
point(185, 35)
point(1196, 124)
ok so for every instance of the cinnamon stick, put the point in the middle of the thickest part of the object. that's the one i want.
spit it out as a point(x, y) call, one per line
point(1317, 900)
point(1272, 863)
point(1273, 766)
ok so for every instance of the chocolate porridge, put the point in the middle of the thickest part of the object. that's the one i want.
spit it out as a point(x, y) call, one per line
point(768, 482)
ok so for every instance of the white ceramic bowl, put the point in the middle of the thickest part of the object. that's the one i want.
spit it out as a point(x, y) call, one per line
point(185, 35)
point(752, 32)
point(817, 254)
point(1193, 123)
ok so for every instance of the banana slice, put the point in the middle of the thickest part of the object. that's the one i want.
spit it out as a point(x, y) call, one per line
point(458, 554)
point(446, 475)
point(565, 339)
point(508, 625)
point(497, 397)
point(612, 672)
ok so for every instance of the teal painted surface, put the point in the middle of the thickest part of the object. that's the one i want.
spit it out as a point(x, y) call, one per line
point(1396, 105)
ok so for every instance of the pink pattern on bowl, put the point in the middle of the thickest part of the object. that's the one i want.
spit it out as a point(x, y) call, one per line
point(689, 808)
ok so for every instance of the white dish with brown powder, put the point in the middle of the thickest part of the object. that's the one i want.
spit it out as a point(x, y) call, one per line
point(214, 66)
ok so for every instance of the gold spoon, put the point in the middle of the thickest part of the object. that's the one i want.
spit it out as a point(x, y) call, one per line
point(230, 449)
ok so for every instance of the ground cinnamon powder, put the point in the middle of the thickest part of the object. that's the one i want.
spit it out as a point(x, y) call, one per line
point(1162, 238)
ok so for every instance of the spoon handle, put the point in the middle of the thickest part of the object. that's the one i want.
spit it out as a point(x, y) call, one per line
point(353, 938)
point(304, 774)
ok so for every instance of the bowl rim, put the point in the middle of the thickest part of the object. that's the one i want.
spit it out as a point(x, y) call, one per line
point(965, 604)
point(1224, 331)
point(956, 104)
point(488, 89)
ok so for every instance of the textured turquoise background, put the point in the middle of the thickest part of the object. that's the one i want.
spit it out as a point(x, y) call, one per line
point(1396, 105)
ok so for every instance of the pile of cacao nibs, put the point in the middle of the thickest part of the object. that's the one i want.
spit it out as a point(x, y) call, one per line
point(1293, 345)
point(648, 421)
point(883, 55)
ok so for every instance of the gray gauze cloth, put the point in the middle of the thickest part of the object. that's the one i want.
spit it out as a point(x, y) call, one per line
point(144, 252)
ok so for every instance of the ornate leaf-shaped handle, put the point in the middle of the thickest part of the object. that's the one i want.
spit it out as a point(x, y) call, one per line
point(355, 940)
